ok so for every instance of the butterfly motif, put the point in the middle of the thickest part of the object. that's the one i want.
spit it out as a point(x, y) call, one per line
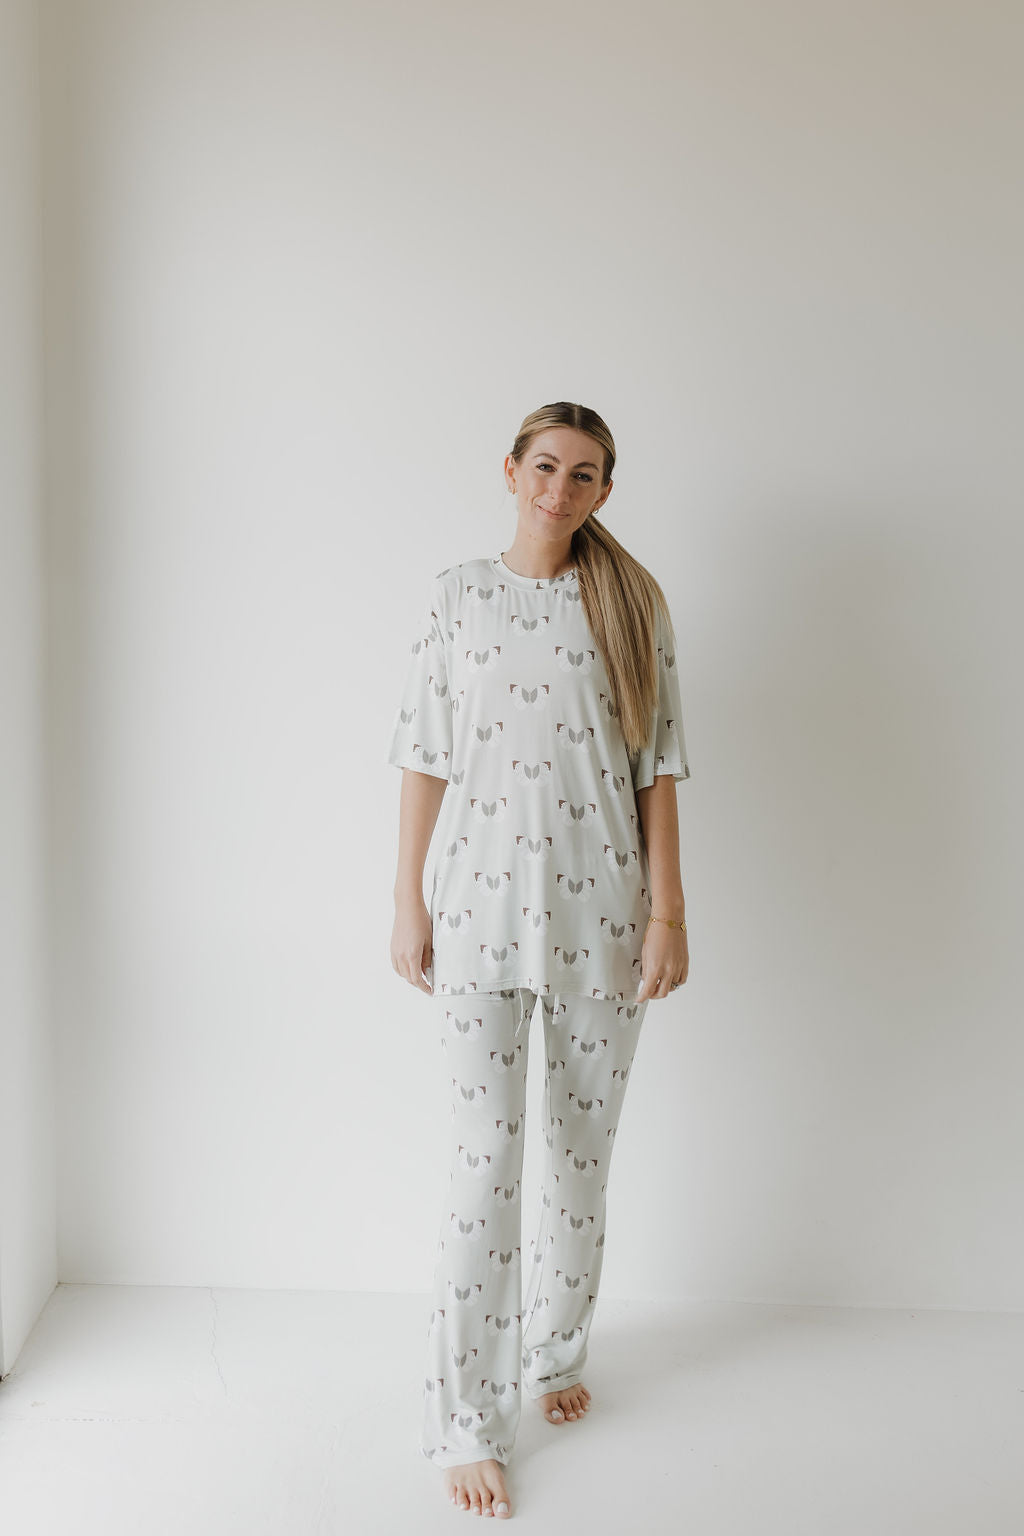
point(576, 815)
point(573, 1223)
point(573, 737)
point(473, 1162)
point(485, 660)
point(592, 1048)
point(432, 637)
point(428, 757)
point(571, 960)
point(569, 1282)
point(502, 1062)
point(533, 848)
point(579, 887)
point(469, 1027)
point(535, 697)
point(620, 858)
point(530, 626)
point(580, 662)
point(489, 810)
point(486, 735)
point(531, 773)
point(455, 921)
point(465, 1295)
point(465, 1420)
point(500, 1325)
point(617, 933)
point(471, 1095)
point(495, 955)
point(591, 1106)
point(472, 1230)
point(504, 1259)
point(496, 882)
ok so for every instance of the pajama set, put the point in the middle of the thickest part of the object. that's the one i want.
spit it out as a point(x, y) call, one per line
point(540, 897)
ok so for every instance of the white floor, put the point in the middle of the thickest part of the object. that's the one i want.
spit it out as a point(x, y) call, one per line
point(159, 1410)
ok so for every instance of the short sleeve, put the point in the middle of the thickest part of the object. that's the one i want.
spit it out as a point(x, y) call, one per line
point(665, 752)
point(421, 734)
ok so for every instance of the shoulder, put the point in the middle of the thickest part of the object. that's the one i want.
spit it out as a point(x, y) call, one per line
point(450, 584)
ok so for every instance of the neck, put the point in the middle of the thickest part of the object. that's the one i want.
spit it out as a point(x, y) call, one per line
point(545, 561)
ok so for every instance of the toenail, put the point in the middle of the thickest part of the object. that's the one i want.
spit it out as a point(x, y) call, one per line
point(503, 1508)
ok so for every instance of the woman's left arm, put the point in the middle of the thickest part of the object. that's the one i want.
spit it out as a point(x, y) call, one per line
point(666, 956)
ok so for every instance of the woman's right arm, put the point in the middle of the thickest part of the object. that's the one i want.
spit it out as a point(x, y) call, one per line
point(411, 937)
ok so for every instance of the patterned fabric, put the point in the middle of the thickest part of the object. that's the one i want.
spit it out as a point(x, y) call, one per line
point(542, 878)
point(487, 1341)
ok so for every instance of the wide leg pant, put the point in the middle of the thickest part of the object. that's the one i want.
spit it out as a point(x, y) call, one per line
point(493, 1331)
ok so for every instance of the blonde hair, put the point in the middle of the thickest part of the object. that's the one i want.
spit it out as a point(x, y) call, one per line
point(618, 593)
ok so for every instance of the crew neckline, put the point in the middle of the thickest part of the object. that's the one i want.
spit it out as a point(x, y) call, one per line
point(507, 574)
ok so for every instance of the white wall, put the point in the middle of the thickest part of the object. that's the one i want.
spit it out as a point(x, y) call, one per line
point(314, 262)
point(28, 1251)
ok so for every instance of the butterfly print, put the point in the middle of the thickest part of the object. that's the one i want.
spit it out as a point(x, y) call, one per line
point(581, 661)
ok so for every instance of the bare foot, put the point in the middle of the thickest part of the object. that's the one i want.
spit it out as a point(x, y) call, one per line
point(570, 1403)
point(479, 1486)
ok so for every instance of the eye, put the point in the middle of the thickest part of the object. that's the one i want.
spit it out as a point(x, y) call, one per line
point(582, 473)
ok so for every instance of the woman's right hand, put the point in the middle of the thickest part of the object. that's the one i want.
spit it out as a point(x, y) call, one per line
point(412, 942)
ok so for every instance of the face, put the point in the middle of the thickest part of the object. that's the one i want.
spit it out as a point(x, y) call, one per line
point(558, 483)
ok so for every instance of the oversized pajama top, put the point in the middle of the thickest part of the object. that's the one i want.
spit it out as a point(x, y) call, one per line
point(541, 877)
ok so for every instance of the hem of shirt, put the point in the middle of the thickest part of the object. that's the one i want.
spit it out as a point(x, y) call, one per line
point(524, 981)
point(679, 774)
point(397, 761)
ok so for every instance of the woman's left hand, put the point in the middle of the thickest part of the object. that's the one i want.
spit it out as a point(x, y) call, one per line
point(664, 961)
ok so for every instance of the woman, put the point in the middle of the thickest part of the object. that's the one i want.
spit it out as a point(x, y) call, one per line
point(541, 713)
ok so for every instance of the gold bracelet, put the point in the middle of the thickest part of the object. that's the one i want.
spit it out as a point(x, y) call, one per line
point(668, 921)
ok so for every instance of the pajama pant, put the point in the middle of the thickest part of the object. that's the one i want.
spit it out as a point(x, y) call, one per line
point(487, 1339)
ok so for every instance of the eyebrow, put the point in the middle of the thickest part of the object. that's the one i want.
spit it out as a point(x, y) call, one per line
point(583, 464)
